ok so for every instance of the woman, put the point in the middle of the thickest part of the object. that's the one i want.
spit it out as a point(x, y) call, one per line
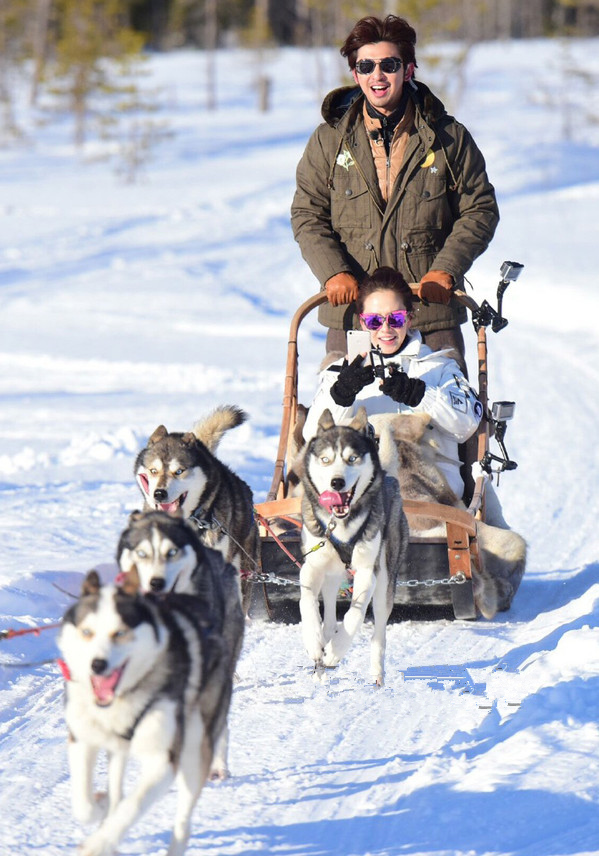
point(416, 379)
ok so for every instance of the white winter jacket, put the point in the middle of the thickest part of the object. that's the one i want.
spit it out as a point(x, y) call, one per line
point(449, 399)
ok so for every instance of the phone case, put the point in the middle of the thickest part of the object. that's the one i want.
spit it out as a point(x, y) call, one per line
point(358, 342)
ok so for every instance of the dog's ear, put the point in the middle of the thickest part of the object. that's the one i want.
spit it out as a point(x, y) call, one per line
point(189, 438)
point(131, 584)
point(360, 421)
point(91, 583)
point(326, 420)
point(159, 434)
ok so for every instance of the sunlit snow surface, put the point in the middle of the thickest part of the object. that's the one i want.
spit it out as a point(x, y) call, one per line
point(127, 306)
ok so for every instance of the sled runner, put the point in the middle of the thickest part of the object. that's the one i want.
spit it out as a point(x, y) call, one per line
point(439, 568)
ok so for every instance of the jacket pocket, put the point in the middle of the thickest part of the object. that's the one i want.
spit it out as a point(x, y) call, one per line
point(425, 205)
point(350, 208)
point(423, 241)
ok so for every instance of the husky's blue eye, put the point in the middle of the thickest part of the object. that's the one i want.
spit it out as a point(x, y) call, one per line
point(141, 553)
point(325, 460)
point(179, 472)
point(86, 633)
point(172, 552)
point(352, 459)
point(120, 634)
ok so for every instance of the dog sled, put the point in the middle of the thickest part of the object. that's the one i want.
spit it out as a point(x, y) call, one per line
point(438, 579)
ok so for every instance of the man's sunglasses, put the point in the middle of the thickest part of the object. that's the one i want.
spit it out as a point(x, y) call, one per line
point(389, 65)
point(374, 321)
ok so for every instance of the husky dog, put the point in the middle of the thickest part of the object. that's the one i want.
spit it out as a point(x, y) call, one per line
point(149, 678)
point(503, 551)
point(352, 521)
point(179, 471)
point(165, 552)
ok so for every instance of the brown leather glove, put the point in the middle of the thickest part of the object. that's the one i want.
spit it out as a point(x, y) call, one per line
point(341, 288)
point(436, 287)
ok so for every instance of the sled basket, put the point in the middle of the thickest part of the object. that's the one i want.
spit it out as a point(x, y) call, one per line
point(438, 576)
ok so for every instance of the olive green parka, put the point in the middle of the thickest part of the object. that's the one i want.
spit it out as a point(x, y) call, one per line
point(441, 214)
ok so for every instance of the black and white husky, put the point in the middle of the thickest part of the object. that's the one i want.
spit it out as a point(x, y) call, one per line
point(165, 552)
point(353, 522)
point(179, 471)
point(168, 555)
point(147, 677)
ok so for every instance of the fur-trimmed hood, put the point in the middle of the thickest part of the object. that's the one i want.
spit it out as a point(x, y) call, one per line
point(345, 102)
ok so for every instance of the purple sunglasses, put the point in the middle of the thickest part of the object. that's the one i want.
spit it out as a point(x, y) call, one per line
point(374, 321)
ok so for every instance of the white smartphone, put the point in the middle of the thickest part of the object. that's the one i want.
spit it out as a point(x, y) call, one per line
point(358, 342)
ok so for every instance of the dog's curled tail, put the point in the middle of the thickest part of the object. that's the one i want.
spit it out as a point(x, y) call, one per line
point(211, 428)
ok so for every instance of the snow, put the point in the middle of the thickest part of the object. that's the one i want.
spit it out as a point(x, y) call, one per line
point(127, 306)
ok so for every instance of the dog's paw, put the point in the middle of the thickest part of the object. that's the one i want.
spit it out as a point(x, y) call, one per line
point(320, 675)
point(91, 812)
point(331, 657)
point(96, 845)
point(314, 647)
point(337, 648)
point(218, 772)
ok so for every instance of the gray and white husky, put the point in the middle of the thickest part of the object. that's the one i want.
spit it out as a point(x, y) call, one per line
point(179, 471)
point(165, 552)
point(147, 677)
point(353, 521)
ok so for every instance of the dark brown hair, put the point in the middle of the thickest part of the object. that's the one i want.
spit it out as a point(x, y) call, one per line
point(371, 30)
point(385, 279)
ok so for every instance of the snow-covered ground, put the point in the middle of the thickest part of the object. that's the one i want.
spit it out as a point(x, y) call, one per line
point(127, 306)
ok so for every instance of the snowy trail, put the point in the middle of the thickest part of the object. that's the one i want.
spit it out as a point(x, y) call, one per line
point(120, 308)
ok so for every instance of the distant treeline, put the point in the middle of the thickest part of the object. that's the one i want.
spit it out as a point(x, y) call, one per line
point(86, 57)
point(167, 23)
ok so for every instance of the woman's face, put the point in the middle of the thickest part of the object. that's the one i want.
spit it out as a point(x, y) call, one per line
point(388, 339)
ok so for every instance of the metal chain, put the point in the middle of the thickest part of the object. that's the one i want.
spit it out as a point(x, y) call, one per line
point(456, 580)
point(270, 577)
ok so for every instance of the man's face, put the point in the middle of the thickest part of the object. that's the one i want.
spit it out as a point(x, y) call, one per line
point(382, 90)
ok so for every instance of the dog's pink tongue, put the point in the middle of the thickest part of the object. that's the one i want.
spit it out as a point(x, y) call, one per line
point(330, 498)
point(105, 685)
point(169, 506)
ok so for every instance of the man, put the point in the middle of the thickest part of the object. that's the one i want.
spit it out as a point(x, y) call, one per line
point(391, 179)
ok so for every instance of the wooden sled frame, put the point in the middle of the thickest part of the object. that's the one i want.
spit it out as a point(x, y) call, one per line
point(461, 543)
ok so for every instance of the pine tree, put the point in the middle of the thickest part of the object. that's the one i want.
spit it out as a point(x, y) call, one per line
point(94, 52)
point(13, 51)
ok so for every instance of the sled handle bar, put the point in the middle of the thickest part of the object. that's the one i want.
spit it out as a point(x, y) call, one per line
point(290, 395)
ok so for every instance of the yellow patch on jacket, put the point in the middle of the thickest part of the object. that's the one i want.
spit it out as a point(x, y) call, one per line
point(428, 160)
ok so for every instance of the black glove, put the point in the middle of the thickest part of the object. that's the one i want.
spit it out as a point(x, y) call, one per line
point(403, 389)
point(352, 378)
